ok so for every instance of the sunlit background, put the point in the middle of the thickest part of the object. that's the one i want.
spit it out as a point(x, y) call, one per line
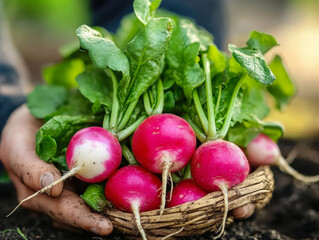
point(39, 28)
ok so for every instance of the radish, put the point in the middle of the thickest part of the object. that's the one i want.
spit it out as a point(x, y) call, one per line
point(164, 143)
point(134, 189)
point(185, 191)
point(262, 150)
point(93, 154)
point(219, 165)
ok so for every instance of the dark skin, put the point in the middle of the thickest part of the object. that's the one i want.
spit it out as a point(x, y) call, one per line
point(29, 174)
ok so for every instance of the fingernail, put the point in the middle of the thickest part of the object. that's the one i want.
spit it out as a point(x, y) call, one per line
point(45, 180)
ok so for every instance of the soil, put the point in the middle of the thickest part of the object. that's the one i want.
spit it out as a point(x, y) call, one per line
point(293, 212)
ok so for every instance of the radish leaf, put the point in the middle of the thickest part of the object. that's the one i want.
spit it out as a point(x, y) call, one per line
point(254, 63)
point(283, 88)
point(94, 196)
point(103, 52)
point(46, 99)
point(56, 133)
point(96, 86)
point(145, 9)
point(261, 41)
point(146, 56)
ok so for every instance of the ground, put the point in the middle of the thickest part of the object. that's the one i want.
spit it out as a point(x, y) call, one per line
point(293, 212)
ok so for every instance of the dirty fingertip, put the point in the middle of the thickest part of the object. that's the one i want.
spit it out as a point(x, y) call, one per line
point(46, 179)
point(244, 211)
point(103, 227)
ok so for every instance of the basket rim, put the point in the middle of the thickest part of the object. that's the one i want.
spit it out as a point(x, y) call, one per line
point(201, 215)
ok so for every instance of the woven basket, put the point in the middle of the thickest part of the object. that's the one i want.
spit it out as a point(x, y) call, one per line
point(200, 216)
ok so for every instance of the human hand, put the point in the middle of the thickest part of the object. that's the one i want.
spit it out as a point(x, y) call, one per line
point(244, 211)
point(30, 174)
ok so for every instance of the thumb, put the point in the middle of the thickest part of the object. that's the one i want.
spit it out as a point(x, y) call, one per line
point(36, 174)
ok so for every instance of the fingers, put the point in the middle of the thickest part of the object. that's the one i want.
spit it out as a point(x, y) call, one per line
point(18, 153)
point(244, 211)
point(69, 209)
point(66, 227)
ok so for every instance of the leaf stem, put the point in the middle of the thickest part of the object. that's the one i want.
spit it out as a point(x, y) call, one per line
point(223, 132)
point(129, 130)
point(127, 115)
point(198, 132)
point(218, 98)
point(147, 104)
point(212, 134)
point(115, 105)
point(106, 121)
point(150, 94)
point(128, 155)
point(187, 174)
point(176, 178)
point(160, 98)
point(200, 111)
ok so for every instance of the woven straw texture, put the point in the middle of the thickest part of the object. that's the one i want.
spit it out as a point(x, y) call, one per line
point(200, 216)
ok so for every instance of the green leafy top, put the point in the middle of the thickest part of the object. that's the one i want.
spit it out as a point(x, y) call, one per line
point(261, 41)
point(254, 63)
point(103, 51)
point(158, 63)
point(283, 89)
point(145, 9)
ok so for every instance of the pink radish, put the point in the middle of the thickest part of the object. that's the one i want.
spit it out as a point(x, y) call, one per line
point(219, 165)
point(262, 150)
point(93, 155)
point(95, 152)
point(134, 189)
point(164, 143)
point(185, 191)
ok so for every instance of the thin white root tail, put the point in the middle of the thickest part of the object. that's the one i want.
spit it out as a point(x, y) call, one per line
point(165, 173)
point(172, 186)
point(292, 154)
point(72, 172)
point(136, 211)
point(173, 234)
point(285, 167)
point(221, 229)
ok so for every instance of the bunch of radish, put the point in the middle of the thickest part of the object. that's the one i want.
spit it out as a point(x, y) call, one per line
point(169, 106)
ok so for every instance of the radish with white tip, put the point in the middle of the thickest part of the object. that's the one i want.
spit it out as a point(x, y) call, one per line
point(93, 154)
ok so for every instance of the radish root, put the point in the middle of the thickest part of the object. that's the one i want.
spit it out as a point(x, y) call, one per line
point(136, 211)
point(292, 155)
point(172, 184)
point(223, 188)
point(285, 167)
point(173, 234)
point(72, 172)
point(165, 173)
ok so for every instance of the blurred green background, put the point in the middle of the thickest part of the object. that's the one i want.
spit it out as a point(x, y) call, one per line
point(39, 28)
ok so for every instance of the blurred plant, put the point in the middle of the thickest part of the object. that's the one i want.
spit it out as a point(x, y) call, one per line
point(54, 17)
